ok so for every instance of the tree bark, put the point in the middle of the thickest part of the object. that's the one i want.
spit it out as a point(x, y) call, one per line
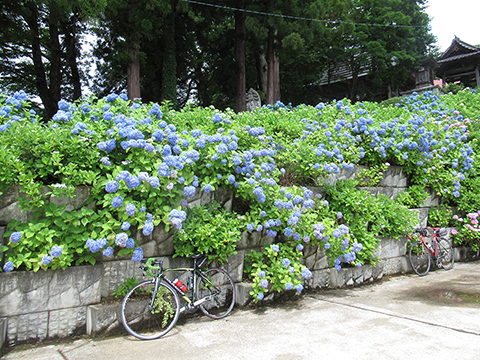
point(240, 99)
point(72, 56)
point(262, 70)
point(169, 76)
point(273, 82)
point(133, 69)
point(31, 17)
point(55, 75)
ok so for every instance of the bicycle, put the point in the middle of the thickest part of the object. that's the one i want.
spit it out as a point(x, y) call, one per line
point(151, 308)
point(421, 252)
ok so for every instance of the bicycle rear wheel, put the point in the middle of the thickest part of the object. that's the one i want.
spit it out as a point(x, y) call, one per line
point(445, 254)
point(218, 287)
point(144, 321)
point(419, 258)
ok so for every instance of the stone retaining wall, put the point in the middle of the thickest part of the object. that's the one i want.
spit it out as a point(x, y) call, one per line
point(59, 303)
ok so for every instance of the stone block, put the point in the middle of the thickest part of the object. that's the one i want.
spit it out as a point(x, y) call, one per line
point(26, 327)
point(115, 273)
point(65, 322)
point(3, 333)
point(82, 194)
point(243, 293)
point(103, 318)
point(234, 266)
point(422, 216)
point(390, 248)
point(319, 279)
point(393, 266)
point(394, 177)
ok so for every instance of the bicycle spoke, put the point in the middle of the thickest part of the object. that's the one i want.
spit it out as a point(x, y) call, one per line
point(445, 254)
point(219, 290)
point(144, 321)
point(419, 258)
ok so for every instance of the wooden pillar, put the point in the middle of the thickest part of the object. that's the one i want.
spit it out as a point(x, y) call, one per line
point(477, 75)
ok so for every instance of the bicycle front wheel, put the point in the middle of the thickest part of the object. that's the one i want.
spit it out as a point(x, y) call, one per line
point(419, 258)
point(147, 318)
point(217, 287)
point(445, 254)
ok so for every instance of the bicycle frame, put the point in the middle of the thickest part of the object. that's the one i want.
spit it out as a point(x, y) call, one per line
point(191, 302)
point(435, 240)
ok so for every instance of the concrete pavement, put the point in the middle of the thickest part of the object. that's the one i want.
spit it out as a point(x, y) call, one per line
point(401, 317)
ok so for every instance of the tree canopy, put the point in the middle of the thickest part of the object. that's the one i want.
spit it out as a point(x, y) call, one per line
point(209, 52)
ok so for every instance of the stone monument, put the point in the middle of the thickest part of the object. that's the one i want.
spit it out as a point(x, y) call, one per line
point(253, 100)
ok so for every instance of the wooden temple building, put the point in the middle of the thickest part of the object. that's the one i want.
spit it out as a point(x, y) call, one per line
point(460, 62)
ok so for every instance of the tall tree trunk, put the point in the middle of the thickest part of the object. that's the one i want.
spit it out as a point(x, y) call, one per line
point(240, 100)
point(262, 70)
point(133, 70)
point(31, 17)
point(273, 82)
point(169, 76)
point(55, 75)
point(72, 56)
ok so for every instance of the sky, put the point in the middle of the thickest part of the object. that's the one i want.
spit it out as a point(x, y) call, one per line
point(452, 18)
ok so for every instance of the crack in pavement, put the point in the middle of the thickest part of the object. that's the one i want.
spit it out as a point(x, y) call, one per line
point(387, 313)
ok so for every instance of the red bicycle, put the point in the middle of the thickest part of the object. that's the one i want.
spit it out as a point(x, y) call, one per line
point(421, 251)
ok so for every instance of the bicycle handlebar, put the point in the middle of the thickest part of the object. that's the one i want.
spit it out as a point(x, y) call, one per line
point(146, 265)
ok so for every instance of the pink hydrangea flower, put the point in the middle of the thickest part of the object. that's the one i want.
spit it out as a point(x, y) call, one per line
point(454, 231)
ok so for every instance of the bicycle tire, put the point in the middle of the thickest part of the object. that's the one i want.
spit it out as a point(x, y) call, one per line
point(137, 315)
point(419, 258)
point(445, 253)
point(221, 290)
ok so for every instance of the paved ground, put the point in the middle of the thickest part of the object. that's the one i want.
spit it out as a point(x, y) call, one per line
point(403, 317)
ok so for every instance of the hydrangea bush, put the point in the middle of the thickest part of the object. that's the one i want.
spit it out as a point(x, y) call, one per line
point(145, 161)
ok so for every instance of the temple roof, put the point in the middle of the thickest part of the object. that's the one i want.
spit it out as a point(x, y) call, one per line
point(458, 50)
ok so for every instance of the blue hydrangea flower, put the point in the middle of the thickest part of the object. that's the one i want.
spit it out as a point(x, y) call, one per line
point(143, 209)
point(8, 266)
point(121, 239)
point(207, 188)
point(154, 182)
point(133, 182)
point(260, 296)
point(300, 247)
point(137, 254)
point(125, 226)
point(261, 274)
point(288, 232)
point(117, 201)
point(130, 209)
point(56, 251)
point(106, 161)
point(46, 259)
point(339, 215)
point(15, 237)
point(275, 248)
point(264, 283)
point(306, 273)
point(130, 244)
point(286, 262)
point(108, 252)
point(147, 228)
point(299, 287)
point(189, 191)
point(289, 286)
point(112, 186)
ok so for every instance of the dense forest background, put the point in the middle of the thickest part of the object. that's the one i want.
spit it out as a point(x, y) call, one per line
point(210, 52)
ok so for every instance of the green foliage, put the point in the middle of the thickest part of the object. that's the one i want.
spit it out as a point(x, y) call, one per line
point(440, 216)
point(54, 226)
point(413, 197)
point(123, 289)
point(209, 230)
point(453, 88)
point(369, 217)
point(269, 266)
